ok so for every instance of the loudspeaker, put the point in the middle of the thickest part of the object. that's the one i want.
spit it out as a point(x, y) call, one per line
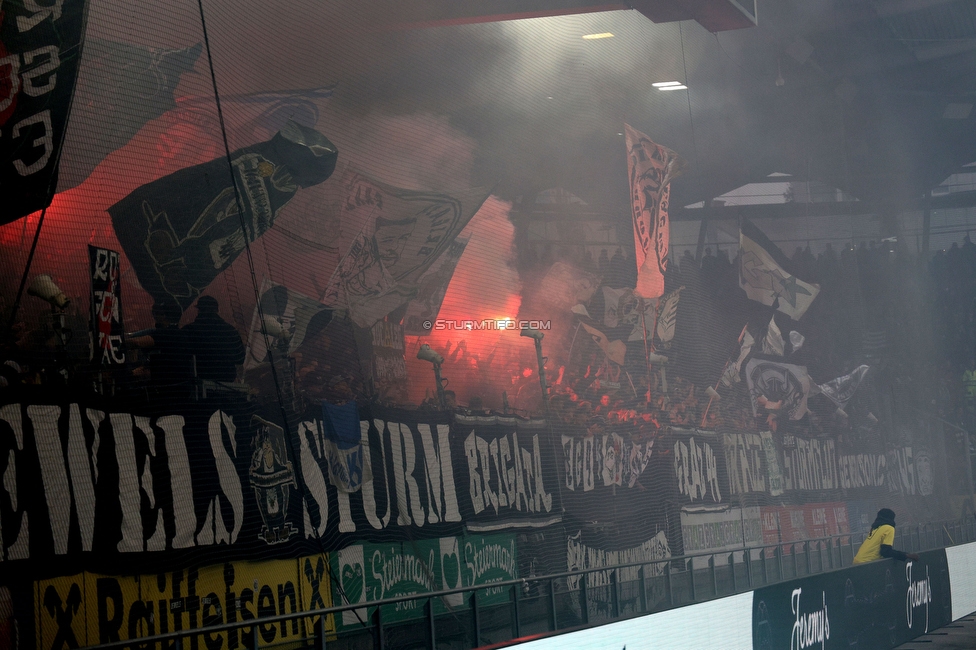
point(43, 287)
point(426, 353)
point(654, 357)
point(274, 328)
point(532, 333)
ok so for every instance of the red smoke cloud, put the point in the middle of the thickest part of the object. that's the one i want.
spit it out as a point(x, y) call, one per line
point(485, 286)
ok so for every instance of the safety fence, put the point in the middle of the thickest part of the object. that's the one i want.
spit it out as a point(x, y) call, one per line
point(536, 606)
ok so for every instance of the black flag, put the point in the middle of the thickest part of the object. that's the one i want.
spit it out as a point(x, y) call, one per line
point(181, 231)
point(40, 46)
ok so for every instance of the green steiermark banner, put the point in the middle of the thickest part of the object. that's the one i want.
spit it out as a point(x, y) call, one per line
point(369, 572)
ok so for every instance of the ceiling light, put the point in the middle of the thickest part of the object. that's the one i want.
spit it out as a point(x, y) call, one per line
point(593, 37)
point(678, 87)
point(664, 84)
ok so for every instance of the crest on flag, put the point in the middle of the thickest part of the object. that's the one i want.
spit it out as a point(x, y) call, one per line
point(764, 274)
point(180, 232)
point(405, 232)
point(796, 340)
point(651, 168)
point(617, 306)
point(778, 387)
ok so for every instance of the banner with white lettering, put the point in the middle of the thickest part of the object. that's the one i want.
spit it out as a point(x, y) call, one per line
point(714, 528)
point(508, 468)
point(796, 523)
point(368, 572)
point(698, 467)
point(600, 600)
point(880, 604)
point(614, 480)
point(40, 47)
point(92, 489)
point(107, 329)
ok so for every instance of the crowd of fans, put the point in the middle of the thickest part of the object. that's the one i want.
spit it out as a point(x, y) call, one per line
point(910, 317)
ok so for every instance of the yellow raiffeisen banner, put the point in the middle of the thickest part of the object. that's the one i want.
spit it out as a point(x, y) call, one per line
point(87, 609)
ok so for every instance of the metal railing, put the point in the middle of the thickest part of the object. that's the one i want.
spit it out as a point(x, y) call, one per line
point(545, 604)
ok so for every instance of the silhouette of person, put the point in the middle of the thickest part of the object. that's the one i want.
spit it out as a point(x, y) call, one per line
point(166, 357)
point(214, 342)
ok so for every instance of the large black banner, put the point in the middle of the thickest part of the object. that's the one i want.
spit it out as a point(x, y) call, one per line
point(89, 488)
point(40, 47)
point(612, 483)
point(181, 231)
point(876, 605)
point(698, 467)
point(508, 468)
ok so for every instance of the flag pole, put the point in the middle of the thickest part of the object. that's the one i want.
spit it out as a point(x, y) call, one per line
point(647, 354)
point(569, 356)
point(724, 368)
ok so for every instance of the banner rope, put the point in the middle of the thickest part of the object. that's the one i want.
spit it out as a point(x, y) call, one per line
point(254, 285)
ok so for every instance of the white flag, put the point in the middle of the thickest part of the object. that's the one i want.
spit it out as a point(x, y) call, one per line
point(841, 390)
point(668, 315)
point(731, 374)
point(616, 304)
point(406, 231)
point(773, 343)
point(764, 276)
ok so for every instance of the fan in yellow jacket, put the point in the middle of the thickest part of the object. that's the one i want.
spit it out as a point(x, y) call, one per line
point(878, 543)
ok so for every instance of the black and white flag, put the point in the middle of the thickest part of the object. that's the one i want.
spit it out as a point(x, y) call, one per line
point(183, 230)
point(778, 387)
point(841, 390)
point(286, 319)
point(764, 274)
point(406, 231)
point(667, 316)
point(773, 342)
point(40, 47)
point(734, 369)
